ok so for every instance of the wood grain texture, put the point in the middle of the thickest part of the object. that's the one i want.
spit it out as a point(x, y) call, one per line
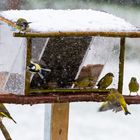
point(59, 121)
point(63, 97)
point(130, 34)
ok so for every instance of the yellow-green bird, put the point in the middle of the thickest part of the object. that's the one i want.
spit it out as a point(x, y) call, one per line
point(105, 81)
point(115, 102)
point(84, 82)
point(5, 113)
point(22, 25)
point(133, 85)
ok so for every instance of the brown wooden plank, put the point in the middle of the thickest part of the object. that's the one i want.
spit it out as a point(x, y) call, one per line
point(59, 121)
point(62, 98)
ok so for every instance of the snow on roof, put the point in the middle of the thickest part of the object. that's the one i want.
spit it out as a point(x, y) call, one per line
point(49, 20)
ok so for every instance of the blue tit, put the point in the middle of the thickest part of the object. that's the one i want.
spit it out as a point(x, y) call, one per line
point(36, 68)
point(105, 81)
point(5, 113)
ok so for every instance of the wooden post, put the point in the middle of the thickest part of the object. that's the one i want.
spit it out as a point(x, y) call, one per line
point(28, 58)
point(59, 121)
point(121, 64)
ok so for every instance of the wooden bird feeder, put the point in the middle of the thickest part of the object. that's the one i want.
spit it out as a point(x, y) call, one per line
point(62, 49)
point(60, 43)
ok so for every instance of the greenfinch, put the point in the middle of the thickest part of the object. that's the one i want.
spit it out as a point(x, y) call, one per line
point(115, 102)
point(133, 85)
point(105, 81)
point(22, 25)
point(84, 82)
point(5, 113)
point(36, 68)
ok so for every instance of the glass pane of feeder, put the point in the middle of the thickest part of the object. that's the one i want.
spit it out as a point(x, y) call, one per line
point(102, 57)
point(131, 65)
point(63, 55)
point(12, 61)
point(38, 47)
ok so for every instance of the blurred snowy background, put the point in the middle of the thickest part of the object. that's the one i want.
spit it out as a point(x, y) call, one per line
point(85, 122)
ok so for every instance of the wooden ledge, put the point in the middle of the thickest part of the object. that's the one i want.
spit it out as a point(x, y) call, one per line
point(57, 97)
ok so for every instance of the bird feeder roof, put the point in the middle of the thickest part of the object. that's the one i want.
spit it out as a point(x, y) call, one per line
point(49, 20)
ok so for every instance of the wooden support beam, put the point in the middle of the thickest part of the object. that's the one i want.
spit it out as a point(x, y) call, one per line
point(59, 121)
point(121, 64)
point(131, 34)
point(62, 98)
point(28, 58)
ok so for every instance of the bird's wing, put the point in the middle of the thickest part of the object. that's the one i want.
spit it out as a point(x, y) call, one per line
point(41, 76)
point(4, 109)
point(100, 82)
point(106, 106)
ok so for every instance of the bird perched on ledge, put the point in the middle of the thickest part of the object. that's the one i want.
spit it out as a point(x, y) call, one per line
point(115, 102)
point(36, 68)
point(105, 81)
point(133, 85)
point(5, 113)
point(22, 25)
point(84, 82)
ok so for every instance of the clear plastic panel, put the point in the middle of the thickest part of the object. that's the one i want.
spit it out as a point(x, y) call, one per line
point(12, 61)
point(102, 57)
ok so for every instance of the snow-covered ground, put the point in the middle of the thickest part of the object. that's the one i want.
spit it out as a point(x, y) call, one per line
point(85, 122)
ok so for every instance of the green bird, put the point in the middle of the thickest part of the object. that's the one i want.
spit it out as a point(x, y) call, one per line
point(22, 25)
point(115, 102)
point(5, 113)
point(105, 81)
point(84, 82)
point(133, 85)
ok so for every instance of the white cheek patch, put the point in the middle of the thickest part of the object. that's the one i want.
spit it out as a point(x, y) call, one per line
point(33, 67)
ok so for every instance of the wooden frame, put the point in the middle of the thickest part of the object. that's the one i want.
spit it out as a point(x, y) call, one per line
point(63, 97)
point(43, 95)
point(130, 34)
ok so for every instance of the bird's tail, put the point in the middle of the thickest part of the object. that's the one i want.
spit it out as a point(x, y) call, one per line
point(12, 119)
point(44, 69)
point(8, 116)
point(126, 112)
point(41, 75)
point(41, 72)
point(29, 22)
